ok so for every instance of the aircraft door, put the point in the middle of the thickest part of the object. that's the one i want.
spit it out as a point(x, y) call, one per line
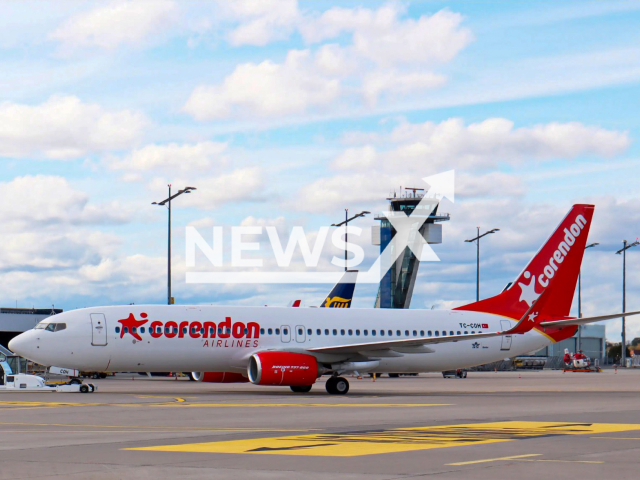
point(98, 329)
point(300, 334)
point(506, 339)
point(285, 333)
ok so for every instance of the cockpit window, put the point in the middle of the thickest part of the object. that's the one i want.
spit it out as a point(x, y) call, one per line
point(51, 327)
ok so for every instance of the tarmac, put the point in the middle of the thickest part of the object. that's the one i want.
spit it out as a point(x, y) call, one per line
point(529, 424)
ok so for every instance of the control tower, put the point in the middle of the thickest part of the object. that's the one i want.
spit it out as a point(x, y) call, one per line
point(396, 287)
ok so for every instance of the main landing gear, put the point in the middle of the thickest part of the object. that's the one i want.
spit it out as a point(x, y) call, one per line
point(337, 386)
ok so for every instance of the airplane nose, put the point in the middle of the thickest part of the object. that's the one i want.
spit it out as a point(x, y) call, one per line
point(18, 344)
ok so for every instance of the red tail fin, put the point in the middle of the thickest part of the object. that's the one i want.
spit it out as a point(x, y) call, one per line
point(555, 267)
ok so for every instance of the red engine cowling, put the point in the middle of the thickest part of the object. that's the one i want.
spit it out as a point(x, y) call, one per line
point(283, 368)
point(219, 377)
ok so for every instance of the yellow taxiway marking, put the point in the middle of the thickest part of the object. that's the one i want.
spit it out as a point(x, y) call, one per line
point(395, 440)
point(500, 459)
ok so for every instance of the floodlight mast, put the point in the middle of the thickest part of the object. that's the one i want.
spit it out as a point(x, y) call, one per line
point(623, 250)
point(477, 240)
point(167, 201)
point(346, 233)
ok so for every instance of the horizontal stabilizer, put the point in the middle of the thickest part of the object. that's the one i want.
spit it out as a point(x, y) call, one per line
point(585, 320)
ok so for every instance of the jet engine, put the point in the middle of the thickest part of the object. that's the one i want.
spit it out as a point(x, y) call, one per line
point(283, 368)
point(218, 377)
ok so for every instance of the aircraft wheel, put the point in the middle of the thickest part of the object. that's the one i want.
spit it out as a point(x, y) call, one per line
point(300, 388)
point(337, 386)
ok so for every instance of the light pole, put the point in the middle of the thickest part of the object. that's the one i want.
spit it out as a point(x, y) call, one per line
point(580, 301)
point(346, 233)
point(623, 250)
point(477, 240)
point(167, 201)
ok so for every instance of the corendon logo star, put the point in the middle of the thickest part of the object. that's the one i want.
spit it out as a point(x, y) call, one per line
point(129, 323)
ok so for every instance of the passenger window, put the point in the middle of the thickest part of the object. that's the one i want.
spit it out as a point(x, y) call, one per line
point(390, 332)
point(141, 329)
point(300, 331)
point(459, 333)
point(415, 334)
point(342, 332)
point(398, 333)
point(270, 331)
point(134, 329)
point(285, 331)
point(350, 332)
point(358, 333)
point(406, 333)
point(429, 333)
point(184, 329)
point(450, 333)
point(166, 330)
point(466, 332)
point(60, 326)
point(246, 331)
point(117, 329)
point(318, 332)
point(277, 331)
point(326, 331)
point(335, 332)
point(126, 329)
point(437, 333)
point(422, 333)
point(202, 331)
point(262, 331)
point(175, 330)
point(444, 333)
point(472, 331)
point(309, 331)
point(373, 333)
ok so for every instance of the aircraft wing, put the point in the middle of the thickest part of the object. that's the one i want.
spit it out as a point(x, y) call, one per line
point(585, 320)
point(407, 343)
point(421, 344)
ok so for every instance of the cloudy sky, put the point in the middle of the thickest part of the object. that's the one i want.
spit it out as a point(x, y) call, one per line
point(283, 113)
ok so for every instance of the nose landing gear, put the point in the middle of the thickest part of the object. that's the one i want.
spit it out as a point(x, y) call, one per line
point(337, 386)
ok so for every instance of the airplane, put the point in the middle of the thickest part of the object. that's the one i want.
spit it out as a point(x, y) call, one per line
point(294, 346)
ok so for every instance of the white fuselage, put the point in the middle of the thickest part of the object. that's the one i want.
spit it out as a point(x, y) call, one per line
point(172, 338)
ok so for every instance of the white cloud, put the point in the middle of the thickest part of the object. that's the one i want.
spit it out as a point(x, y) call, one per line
point(261, 21)
point(64, 127)
point(265, 89)
point(389, 55)
point(381, 36)
point(489, 143)
point(41, 200)
point(120, 22)
point(243, 184)
point(202, 156)
point(397, 83)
